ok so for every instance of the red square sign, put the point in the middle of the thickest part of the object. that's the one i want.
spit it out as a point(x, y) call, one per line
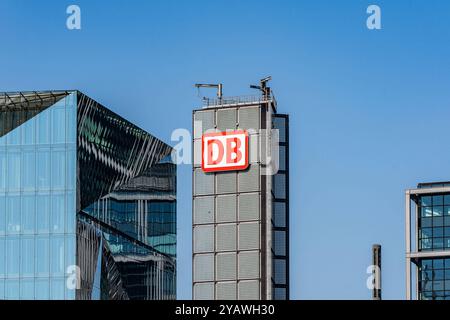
point(225, 151)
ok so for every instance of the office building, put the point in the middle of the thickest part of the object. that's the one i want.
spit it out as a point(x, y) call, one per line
point(87, 202)
point(241, 209)
point(428, 242)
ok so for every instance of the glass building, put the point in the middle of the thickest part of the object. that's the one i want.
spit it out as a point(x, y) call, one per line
point(241, 218)
point(428, 241)
point(87, 202)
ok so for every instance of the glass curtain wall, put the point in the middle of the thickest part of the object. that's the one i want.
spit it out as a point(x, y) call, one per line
point(37, 201)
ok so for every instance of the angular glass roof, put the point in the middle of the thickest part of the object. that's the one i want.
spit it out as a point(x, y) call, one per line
point(18, 107)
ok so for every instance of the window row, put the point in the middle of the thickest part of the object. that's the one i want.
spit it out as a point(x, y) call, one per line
point(427, 264)
point(226, 119)
point(434, 211)
point(428, 285)
point(434, 222)
point(30, 256)
point(41, 169)
point(227, 208)
point(230, 290)
point(226, 237)
point(436, 200)
point(227, 182)
point(227, 266)
point(436, 232)
point(440, 274)
point(136, 216)
point(434, 295)
point(38, 214)
point(434, 243)
point(36, 289)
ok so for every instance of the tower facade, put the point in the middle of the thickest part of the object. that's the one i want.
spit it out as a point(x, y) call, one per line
point(240, 200)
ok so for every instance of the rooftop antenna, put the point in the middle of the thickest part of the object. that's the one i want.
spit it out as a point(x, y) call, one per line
point(211, 85)
point(263, 87)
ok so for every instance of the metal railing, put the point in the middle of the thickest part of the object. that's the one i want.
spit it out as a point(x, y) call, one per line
point(214, 102)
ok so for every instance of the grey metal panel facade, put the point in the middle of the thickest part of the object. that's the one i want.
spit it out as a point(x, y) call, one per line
point(240, 265)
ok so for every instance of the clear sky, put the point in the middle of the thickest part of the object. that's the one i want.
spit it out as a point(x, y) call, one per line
point(369, 109)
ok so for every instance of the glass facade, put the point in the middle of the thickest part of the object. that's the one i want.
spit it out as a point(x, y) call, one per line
point(434, 279)
point(433, 227)
point(434, 222)
point(230, 214)
point(37, 202)
point(83, 189)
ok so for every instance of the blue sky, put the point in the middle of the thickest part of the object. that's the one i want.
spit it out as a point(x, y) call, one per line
point(369, 110)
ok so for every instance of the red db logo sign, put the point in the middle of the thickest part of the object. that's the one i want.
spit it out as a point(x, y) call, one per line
point(225, 151)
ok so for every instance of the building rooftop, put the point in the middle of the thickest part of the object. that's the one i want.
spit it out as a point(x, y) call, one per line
point(427, 185)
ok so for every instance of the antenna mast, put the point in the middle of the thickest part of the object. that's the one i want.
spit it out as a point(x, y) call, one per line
point(219, 87)
point(263, 87)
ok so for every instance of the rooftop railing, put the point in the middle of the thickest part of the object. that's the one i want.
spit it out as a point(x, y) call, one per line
point(215, 102)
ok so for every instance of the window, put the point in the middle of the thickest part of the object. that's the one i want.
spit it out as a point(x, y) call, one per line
point(42, 289)
point(27, 256)
point(226, 237)
point(14, 171)
point(248, 236)
point(12, 256)
point(27, 289)
point(204, 291)
point(204, 210)
point(226, 182)
point(226, 119)
point(57, 255)
point(42, 255)
point(43, 213)
point(249, 118)
point(28, 170)
point(28, 214)
point(226, 291)
point(3, 177)
point(279, 186)
point(43, 170)
point(279, 214)
point(43, 122)
point(204, 267)
point(57, 213)
point(58, 124)
point(204, 238)
point(58, 171)
point(249, 179)
point(226, 266)
point(203, 183)
point(13, 214)
point(226, 208)
point(2, 254)
point(203, 120)
point(249, 290)
point(249, 206)
point(249, 264)
point(435, 279)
